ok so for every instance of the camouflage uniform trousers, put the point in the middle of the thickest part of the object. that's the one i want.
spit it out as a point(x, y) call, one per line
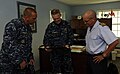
point(28, 70)
point(61, 60)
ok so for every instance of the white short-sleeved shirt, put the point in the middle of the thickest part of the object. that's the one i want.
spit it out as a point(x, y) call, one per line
point(98, 38)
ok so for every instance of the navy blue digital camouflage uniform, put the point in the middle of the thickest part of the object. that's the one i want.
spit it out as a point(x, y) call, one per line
point(16, 47)
point(57, 36)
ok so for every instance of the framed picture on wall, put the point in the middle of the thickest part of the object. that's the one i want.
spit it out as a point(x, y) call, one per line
point(21, 6)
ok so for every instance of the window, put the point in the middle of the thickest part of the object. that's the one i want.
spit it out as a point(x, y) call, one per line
point(115, 15)
point(62, 16)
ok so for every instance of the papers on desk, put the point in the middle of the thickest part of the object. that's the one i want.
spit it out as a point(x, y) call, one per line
point(77, 51)
point(77, 48)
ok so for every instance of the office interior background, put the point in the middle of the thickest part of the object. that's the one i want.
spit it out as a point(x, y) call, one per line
point(9, 10)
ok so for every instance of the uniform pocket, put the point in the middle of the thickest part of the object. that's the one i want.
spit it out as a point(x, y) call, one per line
point(94, 37)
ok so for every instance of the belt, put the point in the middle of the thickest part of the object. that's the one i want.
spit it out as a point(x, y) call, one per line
point(94, 54)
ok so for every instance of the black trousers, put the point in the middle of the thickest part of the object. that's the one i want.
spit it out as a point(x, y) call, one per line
point(96, 68)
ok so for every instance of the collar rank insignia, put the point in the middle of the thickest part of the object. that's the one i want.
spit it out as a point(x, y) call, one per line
point(103, 24)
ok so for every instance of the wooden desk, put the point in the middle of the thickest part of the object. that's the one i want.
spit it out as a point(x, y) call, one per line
point(79, 63)
point(78, 60)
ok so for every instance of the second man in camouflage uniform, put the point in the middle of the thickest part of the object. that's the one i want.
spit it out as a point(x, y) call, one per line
point(58, 38)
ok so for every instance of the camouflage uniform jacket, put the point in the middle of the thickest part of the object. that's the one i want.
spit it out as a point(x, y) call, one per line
point(16, 44)
point(58, 35)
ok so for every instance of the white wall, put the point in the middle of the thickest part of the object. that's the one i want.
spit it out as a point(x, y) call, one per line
point(80, 9)
point(8, 11)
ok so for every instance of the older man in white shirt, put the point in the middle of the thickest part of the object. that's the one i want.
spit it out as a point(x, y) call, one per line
point(98, 37)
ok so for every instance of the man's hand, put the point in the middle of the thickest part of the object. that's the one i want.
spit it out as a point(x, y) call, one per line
point(67, 46)
point(48, 49)
point(23, 64)
point(32, 62)
point(98, 58)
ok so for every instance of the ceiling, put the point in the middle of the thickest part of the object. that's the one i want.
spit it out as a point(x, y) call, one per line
point(79, 2)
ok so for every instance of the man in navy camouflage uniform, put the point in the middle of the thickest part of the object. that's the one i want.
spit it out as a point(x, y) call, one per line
point(57, 39)
point(16, 55)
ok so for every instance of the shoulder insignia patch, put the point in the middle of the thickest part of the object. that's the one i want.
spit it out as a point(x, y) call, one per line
point(103, 24)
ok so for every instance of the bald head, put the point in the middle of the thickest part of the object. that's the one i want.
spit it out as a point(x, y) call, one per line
point(89, 14)
point(89, 18)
